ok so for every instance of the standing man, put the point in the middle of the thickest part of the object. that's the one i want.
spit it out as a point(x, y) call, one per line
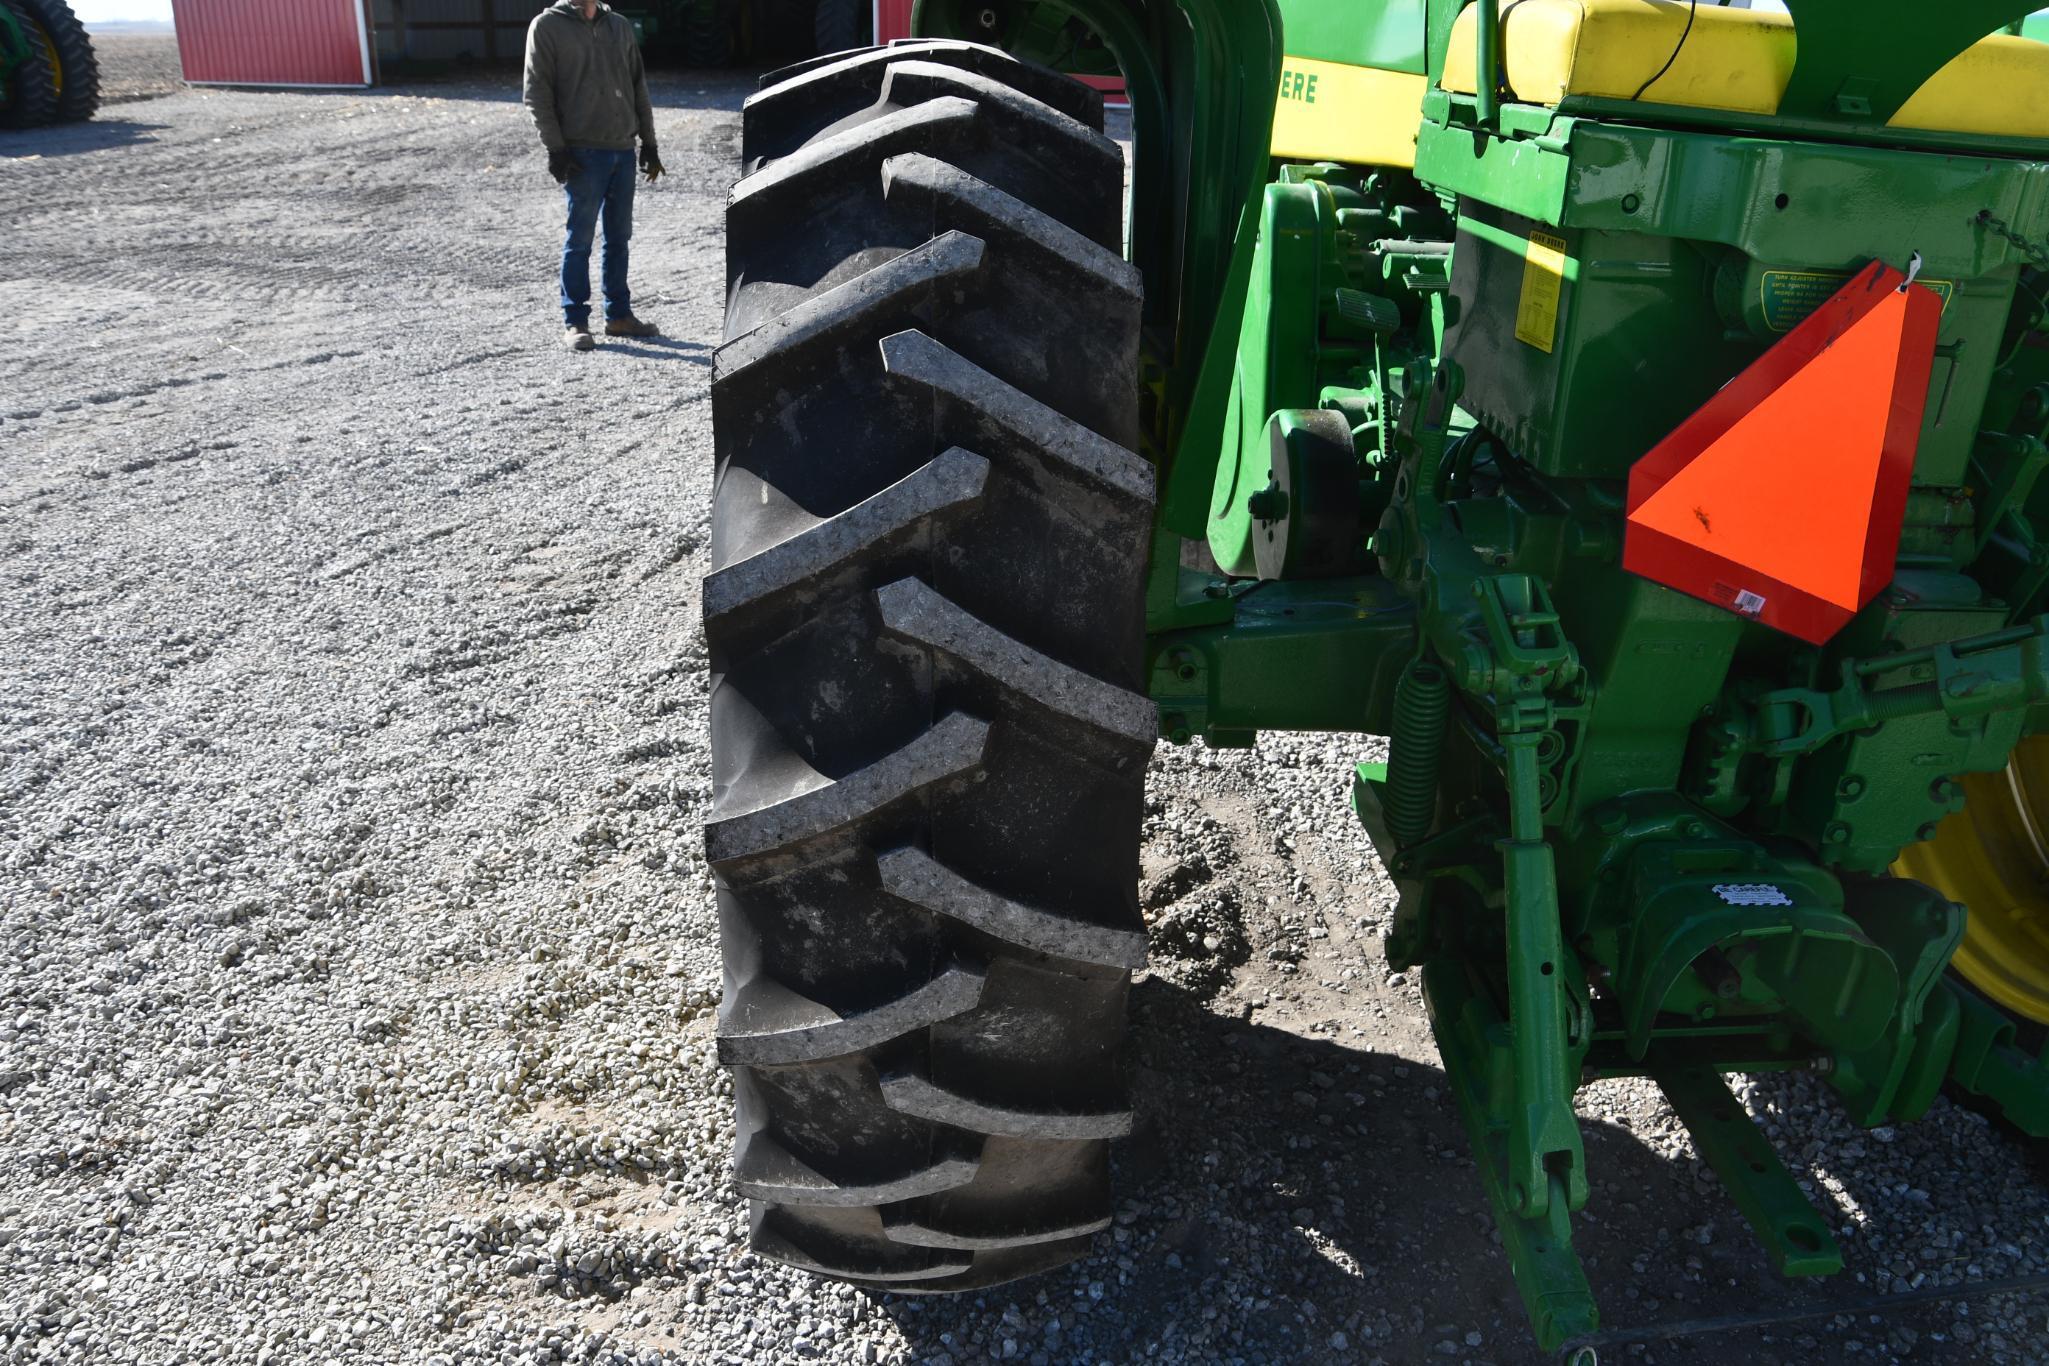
point(587, 91)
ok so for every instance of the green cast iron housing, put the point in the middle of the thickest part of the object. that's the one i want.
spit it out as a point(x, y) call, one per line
point(1632, 833)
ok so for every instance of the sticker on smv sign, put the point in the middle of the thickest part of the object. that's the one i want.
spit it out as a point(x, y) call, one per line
point(1751, 894)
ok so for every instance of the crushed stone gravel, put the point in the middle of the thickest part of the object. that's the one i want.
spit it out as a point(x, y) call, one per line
point(358, 961)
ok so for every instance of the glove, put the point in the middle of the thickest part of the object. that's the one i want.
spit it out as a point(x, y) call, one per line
point(561, 165)
point(650, 162)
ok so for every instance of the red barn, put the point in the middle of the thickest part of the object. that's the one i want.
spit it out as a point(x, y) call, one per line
point(275, 42)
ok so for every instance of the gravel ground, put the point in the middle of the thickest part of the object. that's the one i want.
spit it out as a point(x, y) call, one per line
point(357, 957)
point(137, 66)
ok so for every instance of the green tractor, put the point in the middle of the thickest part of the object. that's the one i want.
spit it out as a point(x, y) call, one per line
point(1635, 417)
point(47, 70)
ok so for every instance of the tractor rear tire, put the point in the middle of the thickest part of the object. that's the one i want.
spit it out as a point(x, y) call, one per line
point(1993, 856)
point(78, 70)
point(32, 87)
point(924, 612)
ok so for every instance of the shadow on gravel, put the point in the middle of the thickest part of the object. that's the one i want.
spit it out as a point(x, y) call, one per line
point(1295, 1199)
point(1278, 1190)
point(659, 348)
point(72, 139)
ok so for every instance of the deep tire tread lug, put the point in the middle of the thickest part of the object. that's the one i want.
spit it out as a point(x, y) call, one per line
point(764, 1169)
point(917, 877)
point(830, 316)
point(808, 1031)
point(913, 178)
point(952, 748)
point(923, 620)
point(913, 611)
point(914, 358)
point(951, 483)
point(912, 1094)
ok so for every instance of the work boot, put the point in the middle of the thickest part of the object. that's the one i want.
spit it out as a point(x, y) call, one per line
point(578, 338)
point(630, 326)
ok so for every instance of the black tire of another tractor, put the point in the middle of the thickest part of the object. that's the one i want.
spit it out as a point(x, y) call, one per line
point(79, 94)
point(929, 734)
point(841, 25)
point(32, 89)
point(707, 35)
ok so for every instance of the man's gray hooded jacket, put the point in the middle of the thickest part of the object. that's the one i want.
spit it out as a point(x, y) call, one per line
point(585, 84)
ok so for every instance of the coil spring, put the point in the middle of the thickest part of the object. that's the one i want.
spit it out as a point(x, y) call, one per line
point(1422, 702)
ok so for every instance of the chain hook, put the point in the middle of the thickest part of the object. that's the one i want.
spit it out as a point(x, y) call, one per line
point(1913, 269)
point(1999, 227)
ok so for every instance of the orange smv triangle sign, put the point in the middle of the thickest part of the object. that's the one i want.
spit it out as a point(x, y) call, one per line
point(1781, 498)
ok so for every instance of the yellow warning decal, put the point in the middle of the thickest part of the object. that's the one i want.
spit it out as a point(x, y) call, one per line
point(1536, 312)
point(1330, 111)
point(1786, 297)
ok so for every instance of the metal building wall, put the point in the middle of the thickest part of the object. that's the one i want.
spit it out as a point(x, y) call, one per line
point(892, 20)
point(274, 42)
point(440, 32)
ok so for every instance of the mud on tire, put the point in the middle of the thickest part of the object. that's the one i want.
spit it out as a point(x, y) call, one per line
point(929, 732)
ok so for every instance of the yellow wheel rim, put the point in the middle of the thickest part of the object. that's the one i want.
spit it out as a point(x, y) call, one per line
point(49, 46)
point(1993, 856)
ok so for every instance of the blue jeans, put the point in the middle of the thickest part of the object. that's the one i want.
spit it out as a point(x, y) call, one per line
point(602, 184)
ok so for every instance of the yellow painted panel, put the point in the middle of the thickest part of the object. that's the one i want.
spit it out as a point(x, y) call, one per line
point(1738, 60)
point(1536, 310)
point(1328, 111)
point(1997, 85)
point(1734, 59)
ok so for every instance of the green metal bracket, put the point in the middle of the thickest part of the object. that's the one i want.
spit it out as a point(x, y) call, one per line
point(1795, 1237)
point(1545, 1152)
point(1990, 1064)
point(2007, 466)
point(1177, 597)
point(1473, 1040)
point(1918, 930)
point(1986, 675)
point(1276, 364)
point(1314, 654)
point(1819, 760)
